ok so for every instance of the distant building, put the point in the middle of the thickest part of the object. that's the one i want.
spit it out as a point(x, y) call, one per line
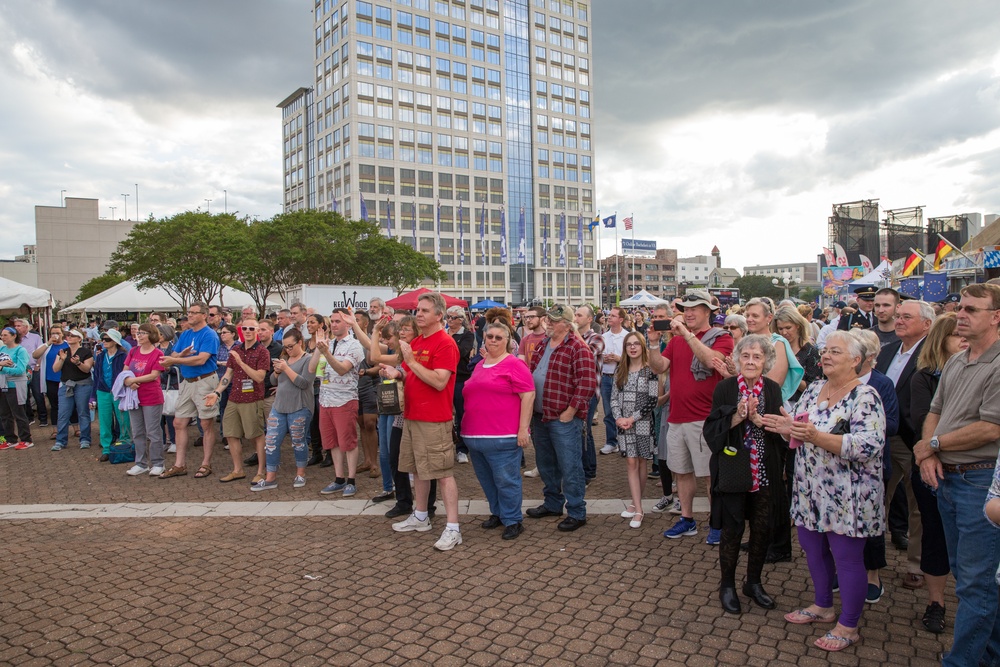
point(722, 277)
point(696, 270)
point(806, 272)
point(22, 269)
point(73, 244)
point(657, 275)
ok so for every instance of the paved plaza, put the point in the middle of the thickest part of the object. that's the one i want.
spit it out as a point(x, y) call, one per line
point(103, 569)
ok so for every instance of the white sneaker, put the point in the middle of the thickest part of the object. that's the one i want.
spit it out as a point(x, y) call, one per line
point(449, 540)
point(462, 457)
point(413, 523)
point(609, 449)
point(137, 470)
point(676, 509)
point(531, 473)
point(156, 471)
point(172, 449)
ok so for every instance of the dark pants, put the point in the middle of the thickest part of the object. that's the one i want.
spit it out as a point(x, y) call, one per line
point(781, 535)
point(13, 417)
point(404, 493)
point(314, 438)
point(755, 508)
point(459, 401)
point(52, 392)
point(589, 449)
point(933, 546)
point(35, 392)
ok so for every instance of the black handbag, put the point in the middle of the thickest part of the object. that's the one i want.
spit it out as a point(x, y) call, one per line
point(734, 470)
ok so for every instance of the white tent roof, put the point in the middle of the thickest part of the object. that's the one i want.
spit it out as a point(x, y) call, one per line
point(876, 276)
point(13, 295)
point(127, 297)
point(642, 298)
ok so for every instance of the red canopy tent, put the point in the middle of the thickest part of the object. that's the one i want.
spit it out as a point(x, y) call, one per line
point(408, 301)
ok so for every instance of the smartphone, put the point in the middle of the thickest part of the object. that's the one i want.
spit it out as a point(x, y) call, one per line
point(795, 443)
point(661, 325)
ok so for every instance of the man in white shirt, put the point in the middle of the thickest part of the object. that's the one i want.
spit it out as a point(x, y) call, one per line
point(614, 338)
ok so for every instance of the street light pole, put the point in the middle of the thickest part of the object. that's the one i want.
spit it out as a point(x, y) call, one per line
point(62, 199)
point(225, 204)
point(126, 205)
point(208, 206)
point(786, 282)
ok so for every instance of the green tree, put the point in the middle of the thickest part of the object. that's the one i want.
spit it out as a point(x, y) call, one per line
point(98, 284)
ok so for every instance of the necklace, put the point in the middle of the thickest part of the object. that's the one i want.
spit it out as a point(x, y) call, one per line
point(823, 405)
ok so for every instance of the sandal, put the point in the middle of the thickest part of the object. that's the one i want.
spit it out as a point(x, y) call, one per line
point(843, 642)
point(174, 471)
point(203, 471)
point(629, 512)
point(804, 617)
point(232, 477)
point(636, 521)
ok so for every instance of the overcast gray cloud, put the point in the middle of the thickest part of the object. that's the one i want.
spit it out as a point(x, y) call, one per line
point(714, 120)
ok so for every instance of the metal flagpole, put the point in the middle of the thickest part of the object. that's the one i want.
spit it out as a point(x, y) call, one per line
point(618, 271)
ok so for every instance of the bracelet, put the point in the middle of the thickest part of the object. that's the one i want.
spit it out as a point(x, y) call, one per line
point(216, 392)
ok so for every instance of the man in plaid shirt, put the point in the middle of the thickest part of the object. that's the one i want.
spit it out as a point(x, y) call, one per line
point(584, 319)
point(563, 368)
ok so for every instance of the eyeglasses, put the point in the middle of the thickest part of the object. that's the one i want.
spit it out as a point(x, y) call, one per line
point(140, 332)
point(248, 328)
point(495, 337)
point(195, 312)
point(972, 310)
point(732, 327)
point(530, 317)
point(634, 344)
point(288, 347)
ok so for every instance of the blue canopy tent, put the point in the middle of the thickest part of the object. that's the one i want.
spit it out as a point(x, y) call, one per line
point(486, 304)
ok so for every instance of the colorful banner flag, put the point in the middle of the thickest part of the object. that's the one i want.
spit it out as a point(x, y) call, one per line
point(503, 236)
point(628, 223)
point(596, 222)
point(830, 259)
point(841, 255)
point(388, 217)
point(912, 262)
point(611, 221)
point(942, 251)
point(935, 286)
point(545, 244)
point(866, 264)
point(364, 209)
point(334, 205)
point(461, 237)
point(437, 237)
point(579, 240)
point(482, 234)
point(910, 287)
point(562, 239)
point(522, 243)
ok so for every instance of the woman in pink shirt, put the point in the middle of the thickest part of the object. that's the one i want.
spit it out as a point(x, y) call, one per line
point(498, 404)
point(144, 362)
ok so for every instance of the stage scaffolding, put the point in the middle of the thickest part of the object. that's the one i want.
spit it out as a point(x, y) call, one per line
point(955, 228)
point(902, 229)
point(855, 226)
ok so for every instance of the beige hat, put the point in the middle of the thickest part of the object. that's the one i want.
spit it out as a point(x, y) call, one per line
point(696, 297)
point(75, 332)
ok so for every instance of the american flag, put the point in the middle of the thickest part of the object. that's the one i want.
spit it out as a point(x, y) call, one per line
point(628, 223)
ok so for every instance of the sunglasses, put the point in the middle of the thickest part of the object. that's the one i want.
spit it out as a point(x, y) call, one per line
point(195, 312)
point(972, 310)
point(495, 337)
point(732, 327)
point(105, 340)
point(248, 328)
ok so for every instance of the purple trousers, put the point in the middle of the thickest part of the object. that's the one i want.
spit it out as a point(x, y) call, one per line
point(831, 555)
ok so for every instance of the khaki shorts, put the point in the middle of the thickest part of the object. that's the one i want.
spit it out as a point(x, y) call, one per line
point(427, 449)
point(191, 399)
point(243, 420)
point(687, 450)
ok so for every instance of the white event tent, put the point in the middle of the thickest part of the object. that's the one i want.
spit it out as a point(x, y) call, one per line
point(15, 297)
point(642, 298)
point(126, 297)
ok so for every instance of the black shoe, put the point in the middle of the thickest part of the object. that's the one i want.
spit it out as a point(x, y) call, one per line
point(900, 541)
point(757, 593)
point(512, 531)
point(104, 458)
point(569, 524)
point(492, 522)
point(773, 557)
point(398, 510)
point(314, 460)
point(327, 460)
point(730, 601)
point(588, 480)
point(541, 512)
point(200, 442)
point(250, 460)
point(933, 619)
point(384, 496)
point(745, 547)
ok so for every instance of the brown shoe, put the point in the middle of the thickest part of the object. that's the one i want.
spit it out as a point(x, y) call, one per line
point(913, 581)
point(174, 471)
point(233, 476)
point(257, 478)
point(374, 472)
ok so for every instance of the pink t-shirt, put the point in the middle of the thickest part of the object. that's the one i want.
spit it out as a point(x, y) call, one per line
point(150, 393)
point(492, 404)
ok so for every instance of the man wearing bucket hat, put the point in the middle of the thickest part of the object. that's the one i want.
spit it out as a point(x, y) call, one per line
point(688, 357)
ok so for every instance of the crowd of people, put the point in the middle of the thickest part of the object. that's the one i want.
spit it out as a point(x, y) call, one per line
point(874, 418)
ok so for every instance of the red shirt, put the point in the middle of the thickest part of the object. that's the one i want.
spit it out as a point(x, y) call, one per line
point(242, 388)
point(528, 343)
point(691, 401)
point(423, 402)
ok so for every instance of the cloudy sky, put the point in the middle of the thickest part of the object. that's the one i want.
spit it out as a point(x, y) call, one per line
point(729, 123)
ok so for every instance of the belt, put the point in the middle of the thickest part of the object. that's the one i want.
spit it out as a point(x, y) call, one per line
point(608, 374)
point(200, 377)
point(985, 465)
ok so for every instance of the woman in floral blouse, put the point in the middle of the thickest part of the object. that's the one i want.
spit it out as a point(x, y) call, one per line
point(633, 396)
point(838, 500)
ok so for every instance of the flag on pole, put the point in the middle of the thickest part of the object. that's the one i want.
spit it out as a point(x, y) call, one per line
point(611, 221)
point(482, 233)
point(388, 217)
point(912, 262)
point(503, 236)
point(594, 223)
point(364, 209)
point(461, 237)
point(562, 239)
point(579, 240)
point(628, 223)
point(415, 225)
point(866, 264)
point(943, 249)
point(910, 287)
point(522, 242)
point(437, 237)
point(334, 205)
point(830, 259)
point(545, 244)
point(935, 286)
point(841, 255)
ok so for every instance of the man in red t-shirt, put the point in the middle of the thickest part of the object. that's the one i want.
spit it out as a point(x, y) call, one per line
point(691, 387)
point(534, 328)
point(427, 449)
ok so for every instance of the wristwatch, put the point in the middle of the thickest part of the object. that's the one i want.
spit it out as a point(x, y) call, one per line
point(935, 444)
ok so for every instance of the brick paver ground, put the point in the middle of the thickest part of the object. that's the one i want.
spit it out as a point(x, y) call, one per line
point(346, 590)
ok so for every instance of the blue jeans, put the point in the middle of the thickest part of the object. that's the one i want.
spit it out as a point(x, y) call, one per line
point(589, 449)
point(973, 553)
point(610, 428)
point(384, 436)
point(81, 400)
point(497, 462)
point(279, 424)
point(557, 455)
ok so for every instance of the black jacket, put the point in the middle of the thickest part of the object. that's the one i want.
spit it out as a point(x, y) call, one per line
point(906, 431)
